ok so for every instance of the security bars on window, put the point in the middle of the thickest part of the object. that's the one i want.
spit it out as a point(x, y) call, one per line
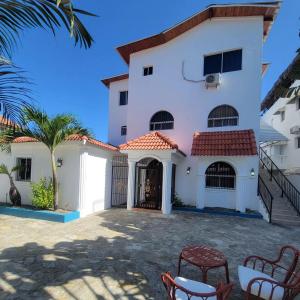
point(220, 175)
point(223, 115)
point(162, 120)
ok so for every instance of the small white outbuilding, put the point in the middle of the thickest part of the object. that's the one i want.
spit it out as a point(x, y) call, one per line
point(84, 176)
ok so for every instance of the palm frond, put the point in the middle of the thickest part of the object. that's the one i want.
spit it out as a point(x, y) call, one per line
point(17, 15)
point(38, 125)
point(14, 94)
point(4, 169)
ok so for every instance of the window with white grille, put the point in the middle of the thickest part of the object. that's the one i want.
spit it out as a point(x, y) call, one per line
point(162, 120)
point(223, 115)
point(220, 175)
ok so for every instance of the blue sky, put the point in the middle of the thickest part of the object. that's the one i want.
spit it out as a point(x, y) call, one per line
point(67, 79)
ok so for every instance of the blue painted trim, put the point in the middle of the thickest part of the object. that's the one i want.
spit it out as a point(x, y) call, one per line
point(221, 213)
point(40, 214)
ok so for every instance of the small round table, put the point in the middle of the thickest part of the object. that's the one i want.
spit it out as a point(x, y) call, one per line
point(205, 258)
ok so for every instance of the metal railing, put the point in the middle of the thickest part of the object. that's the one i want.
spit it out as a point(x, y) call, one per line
point(266, 196)
point(287, 188)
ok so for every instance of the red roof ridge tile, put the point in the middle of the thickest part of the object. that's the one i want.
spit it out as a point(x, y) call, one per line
point(73, 137)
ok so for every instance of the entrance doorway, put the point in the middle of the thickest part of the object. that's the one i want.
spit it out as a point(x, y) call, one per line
point(148, 193)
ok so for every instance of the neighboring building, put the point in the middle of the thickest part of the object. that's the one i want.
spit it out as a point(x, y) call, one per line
point(283, 114)
point(185, 120)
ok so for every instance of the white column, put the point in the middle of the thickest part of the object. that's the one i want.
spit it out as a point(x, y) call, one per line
point(200, 196)
point(131, 184)
point(166, 188)
point(241, 193)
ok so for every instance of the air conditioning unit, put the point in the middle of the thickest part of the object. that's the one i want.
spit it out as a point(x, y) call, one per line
point(295, 130)
point(212, 80)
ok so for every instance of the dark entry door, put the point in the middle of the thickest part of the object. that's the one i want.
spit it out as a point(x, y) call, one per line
point(119, 182)
point(149, 186)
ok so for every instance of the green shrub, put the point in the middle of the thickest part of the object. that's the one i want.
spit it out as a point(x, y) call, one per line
point(42, 192)
point(177, 202)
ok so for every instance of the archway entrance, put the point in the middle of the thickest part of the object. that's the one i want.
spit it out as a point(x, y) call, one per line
point(148, 193)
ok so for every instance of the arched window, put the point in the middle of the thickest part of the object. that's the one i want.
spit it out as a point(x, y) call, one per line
point(223, 115)
point(162, 120)
point(220, 175)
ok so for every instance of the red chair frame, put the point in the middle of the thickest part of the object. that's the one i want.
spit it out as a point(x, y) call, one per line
point(291, 281)
point(222, 291)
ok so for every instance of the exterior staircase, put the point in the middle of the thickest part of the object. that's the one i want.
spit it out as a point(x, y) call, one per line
point(280, 196)
point(283, 213)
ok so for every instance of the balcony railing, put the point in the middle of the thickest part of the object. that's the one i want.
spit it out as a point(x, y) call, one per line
point(287, 188)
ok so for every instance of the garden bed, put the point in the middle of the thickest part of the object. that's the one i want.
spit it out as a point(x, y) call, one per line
point(27, 211)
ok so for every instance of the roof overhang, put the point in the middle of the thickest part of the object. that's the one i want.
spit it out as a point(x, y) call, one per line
point(281, 88)
point(108, 81)
point(268, 10)
point(279, 111)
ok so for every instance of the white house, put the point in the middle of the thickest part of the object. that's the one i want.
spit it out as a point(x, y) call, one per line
point(182, 129)
point(184, 119)
point(283, 114)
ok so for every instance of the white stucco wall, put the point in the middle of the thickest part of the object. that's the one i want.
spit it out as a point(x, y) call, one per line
point(84, 178)
point(95, 180)
point(117, 116)
point(41, 167)
point(190, 103)
point(191, 187)
point(4, 182)
point(242, 197)
point(289, 155)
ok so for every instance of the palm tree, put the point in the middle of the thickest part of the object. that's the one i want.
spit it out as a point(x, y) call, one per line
point(14, 194)
point(49, 131)
point(17, 16)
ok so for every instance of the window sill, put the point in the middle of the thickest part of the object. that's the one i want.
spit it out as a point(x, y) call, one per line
point(215, 189)
point(26, 181)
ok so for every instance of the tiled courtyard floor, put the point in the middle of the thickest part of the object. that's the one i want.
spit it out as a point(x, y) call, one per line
point(120, 255)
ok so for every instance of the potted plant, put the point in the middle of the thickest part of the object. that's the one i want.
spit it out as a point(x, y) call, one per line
point(14, 194)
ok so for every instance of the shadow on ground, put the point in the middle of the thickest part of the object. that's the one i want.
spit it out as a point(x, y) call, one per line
point(120, 255)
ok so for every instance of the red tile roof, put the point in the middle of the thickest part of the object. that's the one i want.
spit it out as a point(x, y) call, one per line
point(74, 137)
point(151, 141)
point(224, 143)
point(268, 10)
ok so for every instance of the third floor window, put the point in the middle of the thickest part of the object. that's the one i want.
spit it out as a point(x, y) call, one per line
point(148, 71)
point(223, 62)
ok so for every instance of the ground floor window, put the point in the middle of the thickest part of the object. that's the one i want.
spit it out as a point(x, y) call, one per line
point(220, 175)
point(24, 169)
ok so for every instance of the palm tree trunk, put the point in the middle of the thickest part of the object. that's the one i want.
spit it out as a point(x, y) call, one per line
point(54, 181)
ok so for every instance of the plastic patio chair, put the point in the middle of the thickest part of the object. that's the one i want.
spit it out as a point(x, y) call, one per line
point(180, 288)
point(257, 276)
